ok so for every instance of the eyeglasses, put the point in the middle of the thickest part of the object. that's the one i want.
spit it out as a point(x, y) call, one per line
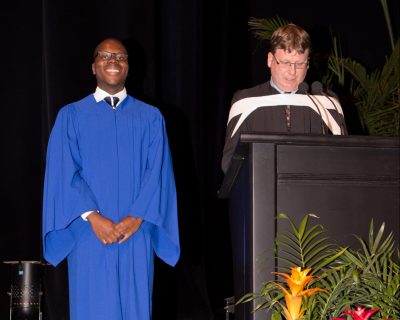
point(288, 64)
point(105, 56)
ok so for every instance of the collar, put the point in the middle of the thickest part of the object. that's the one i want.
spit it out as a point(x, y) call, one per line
point(280, 90)
point(100, 94)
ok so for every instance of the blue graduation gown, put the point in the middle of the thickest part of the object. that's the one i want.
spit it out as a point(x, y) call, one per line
point(117, 162)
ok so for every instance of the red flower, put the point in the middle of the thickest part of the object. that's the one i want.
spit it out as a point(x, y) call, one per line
point(360, 313)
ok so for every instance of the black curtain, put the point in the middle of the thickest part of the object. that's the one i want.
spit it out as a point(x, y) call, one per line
point(20, 160)
point(187, 58)
point(47, 59)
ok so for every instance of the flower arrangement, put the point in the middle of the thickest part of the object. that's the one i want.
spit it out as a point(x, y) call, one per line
point(324, 281)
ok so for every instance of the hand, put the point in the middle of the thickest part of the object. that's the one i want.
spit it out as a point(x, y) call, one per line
point(127, 227)
point(105, 230)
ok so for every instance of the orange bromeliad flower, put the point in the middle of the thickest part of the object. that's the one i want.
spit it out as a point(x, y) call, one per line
point(293, 297)
point(297, 281)
point(293, 310)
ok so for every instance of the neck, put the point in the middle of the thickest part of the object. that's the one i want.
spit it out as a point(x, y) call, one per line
point(280, 90)
point(111, 90)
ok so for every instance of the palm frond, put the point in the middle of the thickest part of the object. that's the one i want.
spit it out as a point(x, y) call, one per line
point(264, 28)
point(304, 245)
point(388, 22)
point(378, 273)
point(375, 94)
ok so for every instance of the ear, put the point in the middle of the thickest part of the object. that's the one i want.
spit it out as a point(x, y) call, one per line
point(269, 59)
point(93, 69)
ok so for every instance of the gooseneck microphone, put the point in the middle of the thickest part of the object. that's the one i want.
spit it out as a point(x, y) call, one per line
point(303, 88)
point(317, 89)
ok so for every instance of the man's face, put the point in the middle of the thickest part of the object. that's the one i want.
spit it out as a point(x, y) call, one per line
point(110, 71)
point(288, 69)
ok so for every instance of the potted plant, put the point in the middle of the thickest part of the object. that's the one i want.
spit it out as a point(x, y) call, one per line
point(317, 279)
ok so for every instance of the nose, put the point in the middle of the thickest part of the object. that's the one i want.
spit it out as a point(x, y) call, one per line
point(292, 68)
point(112, 59)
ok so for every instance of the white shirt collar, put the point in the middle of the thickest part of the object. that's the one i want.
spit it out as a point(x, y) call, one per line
point(100, 94)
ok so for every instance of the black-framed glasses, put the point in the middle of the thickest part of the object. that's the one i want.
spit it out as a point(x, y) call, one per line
point(106, 55)
point(288, 64)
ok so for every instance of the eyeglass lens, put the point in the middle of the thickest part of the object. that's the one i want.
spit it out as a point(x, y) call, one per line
point(105, 55)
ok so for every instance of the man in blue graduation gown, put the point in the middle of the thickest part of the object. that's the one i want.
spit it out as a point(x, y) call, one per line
point(109, 196)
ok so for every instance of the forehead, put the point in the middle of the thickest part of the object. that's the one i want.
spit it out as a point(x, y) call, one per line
point(292, 54)
point(111, 45)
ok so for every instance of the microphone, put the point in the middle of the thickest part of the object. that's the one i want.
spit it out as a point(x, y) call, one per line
point(303, 88)
point(317, 89)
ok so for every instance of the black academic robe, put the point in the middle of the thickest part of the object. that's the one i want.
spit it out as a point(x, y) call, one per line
point(273, 119)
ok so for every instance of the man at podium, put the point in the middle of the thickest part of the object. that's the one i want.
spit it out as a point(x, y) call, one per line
point(283, 104)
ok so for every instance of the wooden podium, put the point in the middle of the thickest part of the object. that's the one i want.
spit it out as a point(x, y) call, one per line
point(345, 180)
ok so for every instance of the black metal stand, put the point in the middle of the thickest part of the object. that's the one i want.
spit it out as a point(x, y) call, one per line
point(25, 294)
point(229, 307)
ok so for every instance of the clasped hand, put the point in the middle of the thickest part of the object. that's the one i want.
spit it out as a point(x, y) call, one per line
point(109, 232)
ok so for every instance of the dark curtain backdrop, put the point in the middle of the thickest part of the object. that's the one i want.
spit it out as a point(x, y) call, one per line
point(187, 58)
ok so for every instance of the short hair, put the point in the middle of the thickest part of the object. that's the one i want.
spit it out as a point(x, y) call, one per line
point(290, 38)
point(107, 39)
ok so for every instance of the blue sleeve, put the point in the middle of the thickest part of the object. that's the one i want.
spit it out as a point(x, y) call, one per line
point(66, 195)
point(156, 202)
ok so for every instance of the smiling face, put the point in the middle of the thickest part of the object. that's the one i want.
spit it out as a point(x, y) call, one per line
point(110, 73)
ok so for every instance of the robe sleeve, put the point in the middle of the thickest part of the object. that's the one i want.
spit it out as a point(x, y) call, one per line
point(231, 141)
point(66, 194)
point(156, 202)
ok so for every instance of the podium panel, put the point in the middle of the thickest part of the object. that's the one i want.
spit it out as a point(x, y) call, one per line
point(345, 180)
